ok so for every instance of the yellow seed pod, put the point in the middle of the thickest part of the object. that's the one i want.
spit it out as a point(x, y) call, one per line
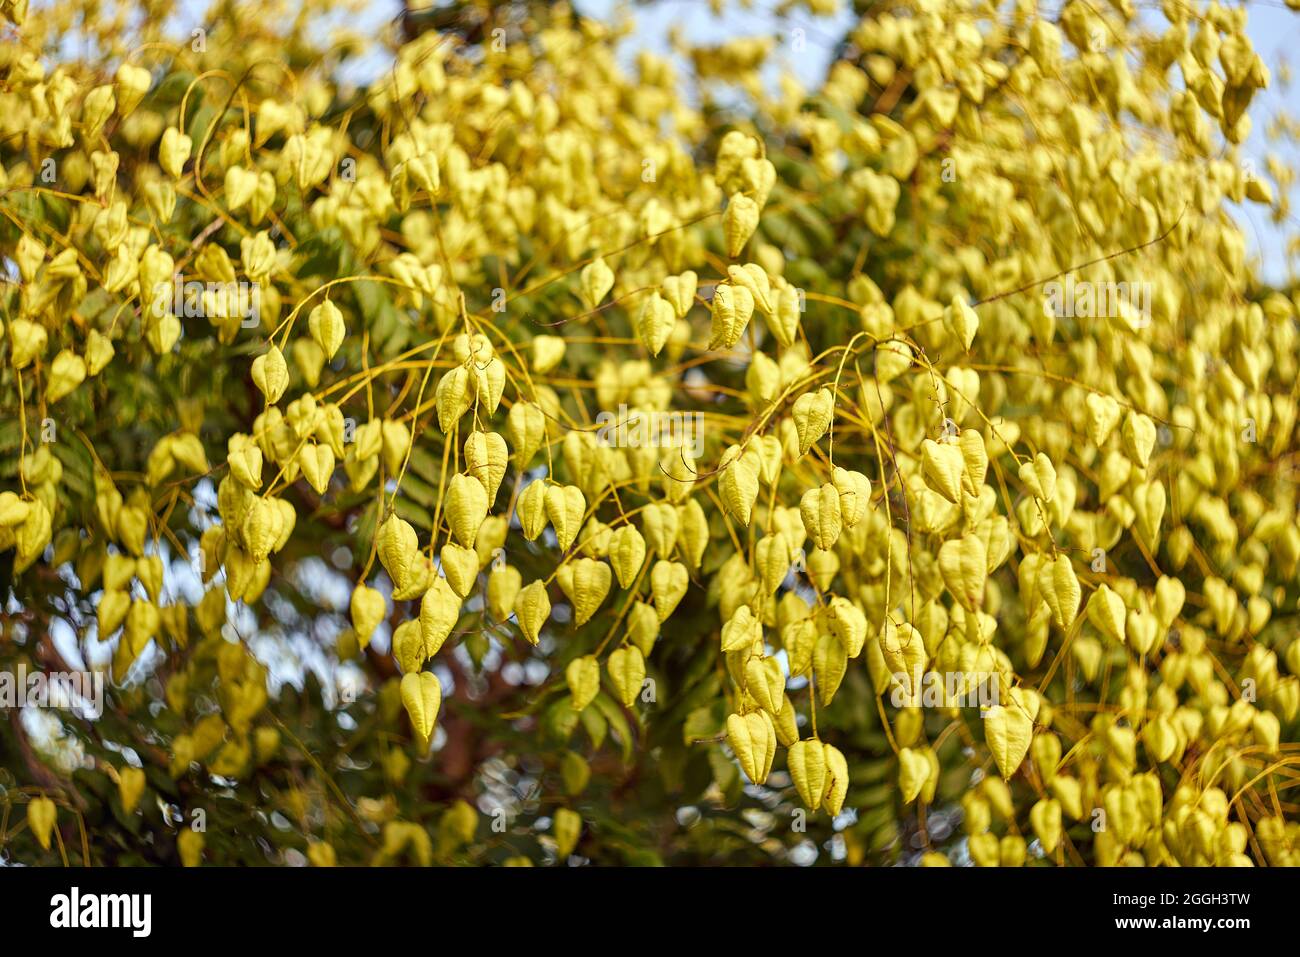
point(668, 583)
point(130, 787)
point(660, 521)
point(757, 177)
point(812, 413)
point(472, 349)
point(532, 609)
point(586, 582)
point(1142, 630)
point(1008, 730)
point(548, 352)
point(453, 397)
point(132, 527)
point(739, 222)
point(763, 380)
point(568, 828)
point(394, 442)
point(1088, 652)
point(66, 373)
point(467, 507)
point(143, 622)
point(627, 553)
point(489, 385)
point(837, 780)
point(963, 563)
point(985, 849)
point(976, 460)
point(257, 253)
point(14, 511)
point(961, 321)
point(174, 152)
point(596, 280)
point(830, 662)
point(565, 507)
point(643, 627)
point(317, 464)
point(692, 531)
point(753, 740)
point(848, 624)
point(1060, 589)
point(626, 667)
point(583, 678)
point(261, 528)
point(1039, 476)
point(1170, 595)
point(854, 490)
point(245, 461)
point(399, 552)
point(1103, 416)
point(784, 319)
point(772, 558)
point(754, 278)
point(368, 609)
point(1046, 749)
point(130, 84)
point(99, 353)
point(460, 565)
point(733, 150)
point(820, 510)
point(422, 698)
point(1266, 729)
point(526, 428)
point(742, 631)
point(733, 306)
point(680, 292)
point(149, 570)
point(655, 323)
point(325, 323)
point(96, 109)
point(321, 854)
point(1011, 851)
point(765, 683)
point(240, 185)
point(799, 638)
point(27, 342)
point(113, 606)
point(1045, 818)
point(739, 483)
point(531, 509)
point(439, 612)
point(1139, 434)
point(904, 652)
point(1069, 792)
point(913, 773)
point(1106, 612)
point(1149, 502)
point(271, 374)
point(41, 815)
point(943, 466)
point(807, 763)
point(408, 647)
point(504, 582)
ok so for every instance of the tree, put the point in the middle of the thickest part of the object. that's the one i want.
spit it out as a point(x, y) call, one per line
point(521, 455)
